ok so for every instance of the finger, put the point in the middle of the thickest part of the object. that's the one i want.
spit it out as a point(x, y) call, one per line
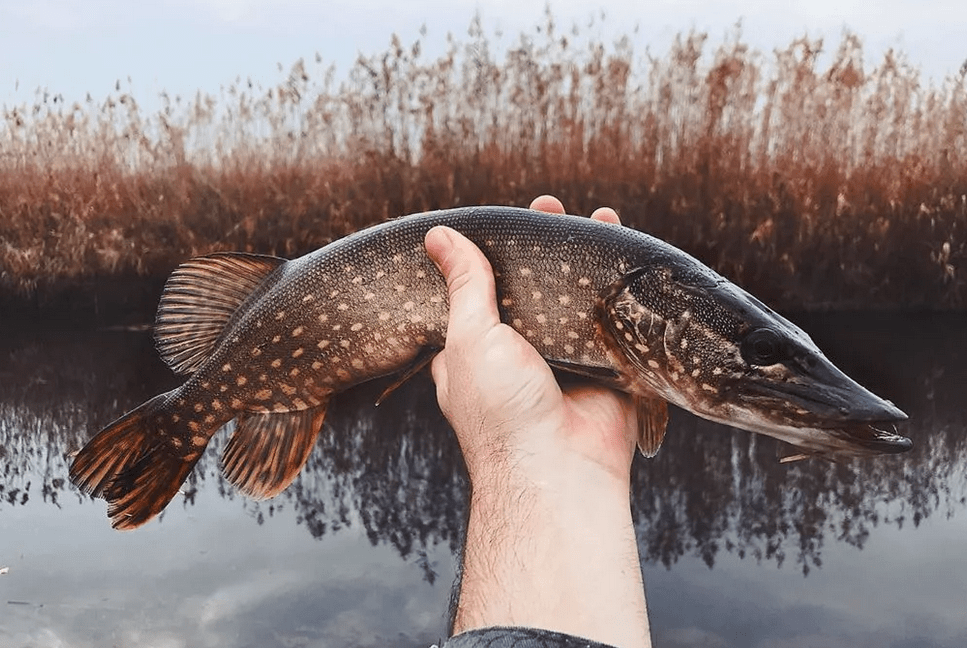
point(606, 215)
point(548, 204)
point(470, 282)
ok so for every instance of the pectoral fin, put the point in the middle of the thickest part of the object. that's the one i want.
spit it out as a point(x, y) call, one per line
point(422, 359)
point(652, 423)
point(267, 451)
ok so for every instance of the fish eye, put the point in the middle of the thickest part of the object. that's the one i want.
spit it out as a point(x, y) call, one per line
point(762, 347)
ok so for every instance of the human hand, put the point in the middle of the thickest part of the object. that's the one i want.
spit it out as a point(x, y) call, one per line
point(499, 395)
point(550, 541)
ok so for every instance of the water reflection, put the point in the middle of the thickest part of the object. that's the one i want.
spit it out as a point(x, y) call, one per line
point(398, 471)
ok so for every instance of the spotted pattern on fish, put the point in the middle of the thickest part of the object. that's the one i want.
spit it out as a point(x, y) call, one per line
point(268, 342)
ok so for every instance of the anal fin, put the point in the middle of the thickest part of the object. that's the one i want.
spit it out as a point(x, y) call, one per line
point(652, 423)
point(267, 451)
point(421, 360)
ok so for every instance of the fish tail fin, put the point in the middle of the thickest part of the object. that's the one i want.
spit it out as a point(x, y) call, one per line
point(133, 464)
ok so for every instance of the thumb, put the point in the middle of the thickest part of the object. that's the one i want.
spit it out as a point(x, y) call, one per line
point(470, 283)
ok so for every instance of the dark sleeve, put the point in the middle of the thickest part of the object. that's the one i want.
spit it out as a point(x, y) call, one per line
point(518, 638)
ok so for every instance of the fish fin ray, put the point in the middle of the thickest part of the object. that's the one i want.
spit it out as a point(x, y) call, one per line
point(199, 299)
point(422, 359)
point(133, 466)
point(652, 423)
point(145, 489)
point(115, 448)
point(267, 451)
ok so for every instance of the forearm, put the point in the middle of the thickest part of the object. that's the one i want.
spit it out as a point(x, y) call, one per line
point(553, 551)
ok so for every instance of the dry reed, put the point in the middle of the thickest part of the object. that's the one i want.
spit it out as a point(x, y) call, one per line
point(812, 185)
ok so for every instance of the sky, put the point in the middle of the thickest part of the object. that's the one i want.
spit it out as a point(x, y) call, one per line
point(76, 47)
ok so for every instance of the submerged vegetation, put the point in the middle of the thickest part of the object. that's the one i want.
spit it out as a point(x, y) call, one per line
point(810, 178)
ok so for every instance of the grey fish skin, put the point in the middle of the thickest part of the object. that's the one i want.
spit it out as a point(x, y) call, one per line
point(267, 342)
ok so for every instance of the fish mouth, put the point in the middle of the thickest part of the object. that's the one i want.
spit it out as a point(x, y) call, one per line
point(836, 417)
point(873, 438)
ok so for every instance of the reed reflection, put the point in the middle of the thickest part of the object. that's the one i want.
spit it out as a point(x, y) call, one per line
point(398, 472)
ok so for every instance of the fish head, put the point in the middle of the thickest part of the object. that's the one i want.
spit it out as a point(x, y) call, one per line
point(706, 345)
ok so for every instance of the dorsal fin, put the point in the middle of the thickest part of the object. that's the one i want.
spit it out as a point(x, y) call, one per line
point(267, 451)
point(199, 298)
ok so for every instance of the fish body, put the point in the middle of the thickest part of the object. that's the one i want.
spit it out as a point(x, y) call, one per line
point(267, 342)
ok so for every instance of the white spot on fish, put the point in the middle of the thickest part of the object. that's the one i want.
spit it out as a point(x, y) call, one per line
point(369, 296)
point(343, 306)
point(256, 352)
point(619, 325)
point(347, 268)
point(279, 408)
point(217, 405)
point(548, 341)
point(542, 319)
point(568, 348)
point(565, 268)
point(564, 300)
point(199, 407)
point(334, 293)
point(397, 258)
point(696, 360)
point(337, 327)
point(696, 373)
point(357, 363)
point(357, 280)
point(342, 374)
point(684, 343)
point(674, 375)
point(241, 380)
point(317, 365)
point(288, 390)
point(276, 363)
point(209, 419)
point(226, 367)
point(299, 403)
point(529, 334)
point(416, 318)
point(525, 272)
point(584, 281)
point(707, 387)
point(298, 352)
point(297, 331)
point(323, 318)
point(308, 298)
point(369, 348)
point(653, 364)
point(436, 299)
point(408, 306)
point(223, 388)
point(355, 327)
point(506, 301)
point(573, 335)
point(537, 295)
point(344, 343)
point(280, 315)
point(383, 316)
point(716, 371)
point(420, 274)
point(629, 336)
point(642, 348)
point(589, 344)
point(392, 341)
point(399, 288)
point(322, 344)
point(489, 242)
point(380, 274)
point(582, 315)
point(277, 339)
point(518, 323)
point(197, 441)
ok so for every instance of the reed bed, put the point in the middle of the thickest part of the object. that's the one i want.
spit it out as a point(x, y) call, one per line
point(815, 181)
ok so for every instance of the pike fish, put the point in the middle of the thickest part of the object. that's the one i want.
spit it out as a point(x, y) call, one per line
point(268, 342)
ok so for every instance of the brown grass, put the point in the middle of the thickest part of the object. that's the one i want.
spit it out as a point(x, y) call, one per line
point(810, 184)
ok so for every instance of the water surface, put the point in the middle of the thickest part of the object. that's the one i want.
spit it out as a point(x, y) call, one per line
point(737, 550)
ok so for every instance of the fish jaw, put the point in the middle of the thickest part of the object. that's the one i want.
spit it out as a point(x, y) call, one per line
point(709, 347)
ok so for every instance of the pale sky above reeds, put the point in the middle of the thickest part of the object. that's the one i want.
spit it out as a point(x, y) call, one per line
point(73, 48)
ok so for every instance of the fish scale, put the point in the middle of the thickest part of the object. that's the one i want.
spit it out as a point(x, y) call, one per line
point(268, 342)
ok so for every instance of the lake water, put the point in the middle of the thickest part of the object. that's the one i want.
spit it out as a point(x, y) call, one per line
point(737, 550)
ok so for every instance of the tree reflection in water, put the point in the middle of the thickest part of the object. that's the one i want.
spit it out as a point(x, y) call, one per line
point(397, 469)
